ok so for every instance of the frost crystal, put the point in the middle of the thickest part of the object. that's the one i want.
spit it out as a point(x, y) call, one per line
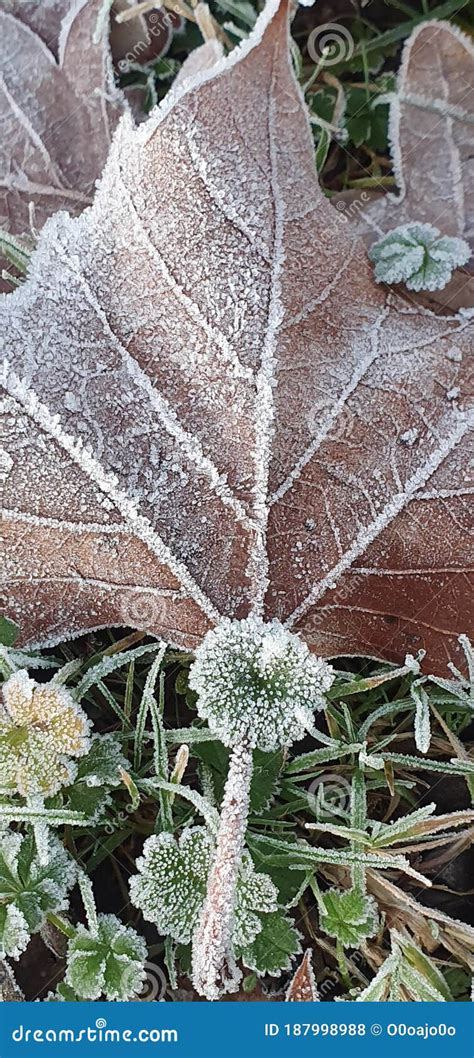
point(29, 889)
point(170, 887)
point(109, 961)
point(419, 256)
point(257, 682)
point(41, 727)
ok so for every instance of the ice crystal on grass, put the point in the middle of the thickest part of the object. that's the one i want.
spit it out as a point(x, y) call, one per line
point(29, 889)
point(41, 729)
point(259, 683)
point(170, 887)
point(108, 961)
point(419, 256)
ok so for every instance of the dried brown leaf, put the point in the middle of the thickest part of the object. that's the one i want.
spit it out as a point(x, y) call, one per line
point(58, 108)
point(213, 409)
point(431, 130)
point(302, 987)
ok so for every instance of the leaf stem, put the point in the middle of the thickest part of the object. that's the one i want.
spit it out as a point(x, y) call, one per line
point(214, 967)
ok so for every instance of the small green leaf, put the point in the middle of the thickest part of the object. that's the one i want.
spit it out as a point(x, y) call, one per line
point(9, 632)
point(419, 256)
point(109, 961)
point(29, 889)
point(348, 915)
point(274, 947)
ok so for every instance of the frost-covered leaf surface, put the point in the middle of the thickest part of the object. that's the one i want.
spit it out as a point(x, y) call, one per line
point(419, 256)
point(251, 426)
point(108, 961)
point(58, 108)
point(431, 127)
point(302, 987)
point(274, 947)
point(41, 729)
point(28, 889)
point(170, 887)
point(350, 916)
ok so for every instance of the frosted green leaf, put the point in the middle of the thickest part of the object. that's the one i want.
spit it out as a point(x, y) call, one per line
point(257, 682)
point(41, 729)
point(29, 889)
point(274, 947)
point(419, 256)
point(171, 884)
point(109, 962)
point(255, 893)
point(349, 915)
point(14, 932)
point(100, 766)
point(170, 888)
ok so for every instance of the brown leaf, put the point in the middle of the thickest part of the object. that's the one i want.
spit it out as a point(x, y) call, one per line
point(213, 409)
point(431, 127)
point(58, 108)
point(302, 987)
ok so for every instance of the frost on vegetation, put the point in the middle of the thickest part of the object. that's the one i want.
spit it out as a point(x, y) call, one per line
point(419, 256)
point(258, 683)
point(461, 686)
point(41, 729)
point(170, 887)
point(407, 975)
point(108, 961)
point(348, 915)
point(29, 889)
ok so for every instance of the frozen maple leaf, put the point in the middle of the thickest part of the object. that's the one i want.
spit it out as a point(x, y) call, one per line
point(58, 108)
point(431, 117)
point(213, 410)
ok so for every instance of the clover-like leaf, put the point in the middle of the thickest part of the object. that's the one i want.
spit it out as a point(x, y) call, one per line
point(256, 681)
point(171, 884)
point(41, 729)
point(256, 896)
point(419, 256)
point(29, 889)
point(348, 915)
point(109, 961)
